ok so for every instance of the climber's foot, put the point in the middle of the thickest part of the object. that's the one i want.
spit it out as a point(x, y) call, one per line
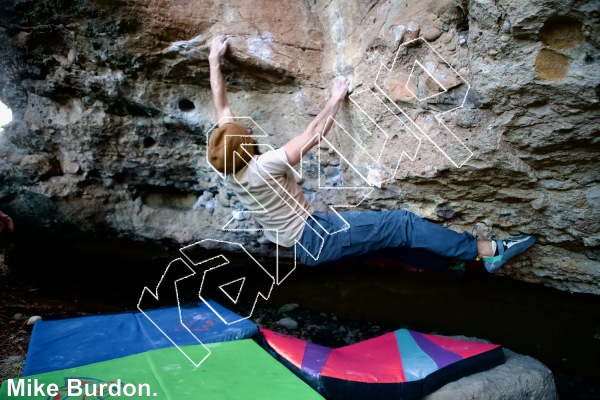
point(507, 249)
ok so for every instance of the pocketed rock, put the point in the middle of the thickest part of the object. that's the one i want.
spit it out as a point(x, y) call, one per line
point(551, 66)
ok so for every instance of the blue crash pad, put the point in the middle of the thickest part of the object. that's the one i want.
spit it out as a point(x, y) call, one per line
point(74, 342)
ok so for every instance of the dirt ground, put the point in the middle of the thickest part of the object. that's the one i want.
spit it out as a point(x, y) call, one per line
point(14, 334)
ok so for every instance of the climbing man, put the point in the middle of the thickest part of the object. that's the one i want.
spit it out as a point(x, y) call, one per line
point(265, 182)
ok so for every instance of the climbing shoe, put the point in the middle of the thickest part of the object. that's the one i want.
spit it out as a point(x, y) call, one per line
point(507, 249)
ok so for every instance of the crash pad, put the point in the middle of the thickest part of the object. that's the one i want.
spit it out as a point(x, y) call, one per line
point(72, 342)
point(403, 364)
point(238, 369)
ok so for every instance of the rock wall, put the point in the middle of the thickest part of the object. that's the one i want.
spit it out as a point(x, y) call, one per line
point(112, 107)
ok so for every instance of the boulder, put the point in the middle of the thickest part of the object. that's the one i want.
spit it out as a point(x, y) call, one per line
point(519, 378)
point(112, 107)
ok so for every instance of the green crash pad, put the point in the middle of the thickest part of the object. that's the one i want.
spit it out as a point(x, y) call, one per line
point(239, 369)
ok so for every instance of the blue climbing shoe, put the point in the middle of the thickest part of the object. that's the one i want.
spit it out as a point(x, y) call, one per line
point(507, 249)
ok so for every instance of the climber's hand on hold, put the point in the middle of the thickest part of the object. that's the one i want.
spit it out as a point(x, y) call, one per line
point(218, 47)
point(339, 88)
point(298, 146)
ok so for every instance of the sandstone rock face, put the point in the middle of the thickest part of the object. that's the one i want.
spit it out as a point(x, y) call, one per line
point(112, 107)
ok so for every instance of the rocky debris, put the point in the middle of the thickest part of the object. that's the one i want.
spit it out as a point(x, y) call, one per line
point(413, 29)
point(286, 308)
point(112, 108)
point(322, 328)
point(430, 33)
point(32, 320)
point(288, 323)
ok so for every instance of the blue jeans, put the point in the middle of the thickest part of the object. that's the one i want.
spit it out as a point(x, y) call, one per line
point(327, 237)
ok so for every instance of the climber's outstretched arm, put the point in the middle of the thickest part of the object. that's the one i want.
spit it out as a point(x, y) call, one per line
point(218, 48)
point(319, 126)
